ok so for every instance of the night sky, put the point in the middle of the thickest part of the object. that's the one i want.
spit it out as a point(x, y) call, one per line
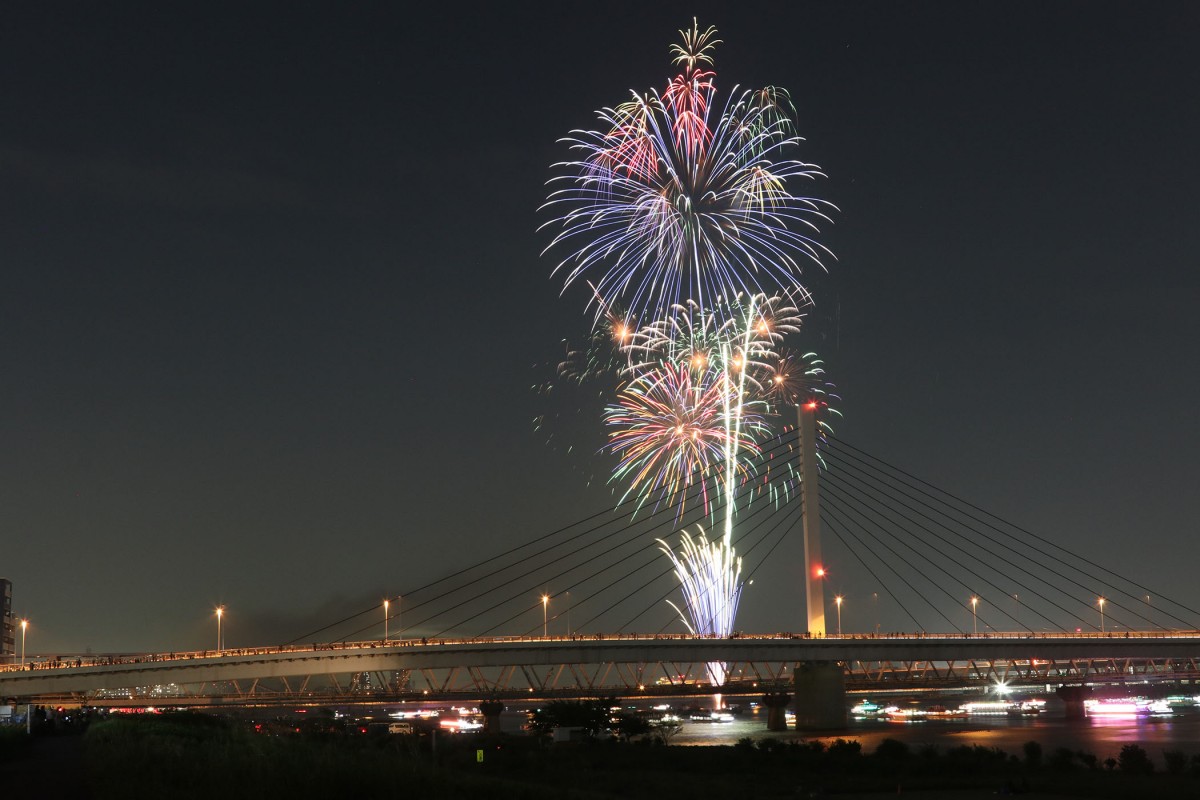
point(273, 295)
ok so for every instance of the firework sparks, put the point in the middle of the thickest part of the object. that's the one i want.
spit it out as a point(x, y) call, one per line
point(710, 575)
point(675, 200)
point(670, 430)
point(681, 208)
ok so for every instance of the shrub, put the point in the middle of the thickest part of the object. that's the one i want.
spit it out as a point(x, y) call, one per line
point(1175, 760)
point(845, 749)
point(892, 749)
point(1033, 754)
point(1062, 758)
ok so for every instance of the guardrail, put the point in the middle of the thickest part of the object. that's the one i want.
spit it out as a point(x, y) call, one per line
point(44, 662)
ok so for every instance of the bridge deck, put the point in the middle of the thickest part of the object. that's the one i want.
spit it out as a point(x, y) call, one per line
point(596, 663)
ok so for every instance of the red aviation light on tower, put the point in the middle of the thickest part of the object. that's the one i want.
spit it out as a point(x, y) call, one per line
point(820, 572)
point(811, 405)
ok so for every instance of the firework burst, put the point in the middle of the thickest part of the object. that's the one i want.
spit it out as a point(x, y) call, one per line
point(675, 199)
point(670, 430)
point(681, 208)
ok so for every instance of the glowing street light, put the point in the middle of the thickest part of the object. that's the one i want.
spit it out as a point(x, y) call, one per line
point(1102, 613)
point(386, 603)
point(545, 611)
point(838, 600)
point(24, 627)
point(975, 615)
point(220, 613)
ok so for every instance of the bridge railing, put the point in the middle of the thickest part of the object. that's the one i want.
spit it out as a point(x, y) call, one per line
point(44, 662)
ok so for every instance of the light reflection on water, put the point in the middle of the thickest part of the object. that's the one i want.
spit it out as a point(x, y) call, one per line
point(1102, 737)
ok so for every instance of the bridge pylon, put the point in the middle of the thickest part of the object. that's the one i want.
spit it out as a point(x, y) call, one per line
point(814, 570)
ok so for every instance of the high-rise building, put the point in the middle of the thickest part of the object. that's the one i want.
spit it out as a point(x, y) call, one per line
point(8, 628)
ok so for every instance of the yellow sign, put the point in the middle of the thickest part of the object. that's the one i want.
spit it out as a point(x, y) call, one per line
point(479, 756)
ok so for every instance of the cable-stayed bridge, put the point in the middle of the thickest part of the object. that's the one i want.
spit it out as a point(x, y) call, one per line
point(979, 601)
point(626, 664)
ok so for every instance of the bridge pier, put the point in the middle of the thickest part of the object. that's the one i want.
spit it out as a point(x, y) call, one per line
point(491, 710)
point(1073, 697)
point(776, 704)
point(820, 695)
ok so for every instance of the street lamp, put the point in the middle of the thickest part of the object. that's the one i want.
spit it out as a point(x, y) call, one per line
point(568, 615)
point(220, 613)
point(838, 600)
point(545, 611)
point(975, 615)
point(1102, 613)
point(24, 626)
point(386, 603)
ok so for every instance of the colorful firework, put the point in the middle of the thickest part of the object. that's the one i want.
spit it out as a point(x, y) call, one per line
point(681, 209)
point(675, 200)
point(671, 432)
point(748, 330)
point(792, 378)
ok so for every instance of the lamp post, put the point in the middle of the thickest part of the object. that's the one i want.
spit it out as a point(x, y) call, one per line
point(975, 615)
point(386, 603)
point(220, 613)
point(545, 611)
point(568, 615)
point(1102, 613)
point(838, 600)
point(24, 627)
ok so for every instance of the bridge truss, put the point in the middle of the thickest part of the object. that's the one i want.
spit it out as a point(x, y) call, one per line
point(625, 666)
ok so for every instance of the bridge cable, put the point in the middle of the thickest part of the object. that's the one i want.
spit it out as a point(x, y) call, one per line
point(876, 498)
point(674, 520)
point(1025, 531)
point(1018, 553)
point(835, 516)
point(828, 523)
point(650, 562)
point(769, 454)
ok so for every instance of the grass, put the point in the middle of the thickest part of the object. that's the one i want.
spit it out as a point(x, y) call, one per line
point(189, 755)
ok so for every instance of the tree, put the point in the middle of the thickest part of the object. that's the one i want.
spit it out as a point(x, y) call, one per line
point(628, 725)
point(592, 716)
point(1133, 759)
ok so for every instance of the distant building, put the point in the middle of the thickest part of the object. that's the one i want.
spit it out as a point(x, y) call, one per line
point(8, 628)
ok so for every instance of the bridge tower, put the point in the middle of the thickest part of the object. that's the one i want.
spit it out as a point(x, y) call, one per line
point(811, 513)
point(820, 689)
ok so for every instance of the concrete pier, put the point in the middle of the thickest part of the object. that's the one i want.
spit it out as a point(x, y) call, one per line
point(1073, 697)
point(820, 695)
point(776, 704)
point(491, 710)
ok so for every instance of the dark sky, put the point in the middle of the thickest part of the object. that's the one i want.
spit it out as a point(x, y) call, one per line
point(273, 293)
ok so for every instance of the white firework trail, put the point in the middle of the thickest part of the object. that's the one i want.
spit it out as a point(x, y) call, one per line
point(710, 576)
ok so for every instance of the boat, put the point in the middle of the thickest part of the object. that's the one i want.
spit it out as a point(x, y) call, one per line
point(941, 712)
point(866, 709)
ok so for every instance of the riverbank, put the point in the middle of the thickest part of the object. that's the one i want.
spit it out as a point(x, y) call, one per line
point(194, 755)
